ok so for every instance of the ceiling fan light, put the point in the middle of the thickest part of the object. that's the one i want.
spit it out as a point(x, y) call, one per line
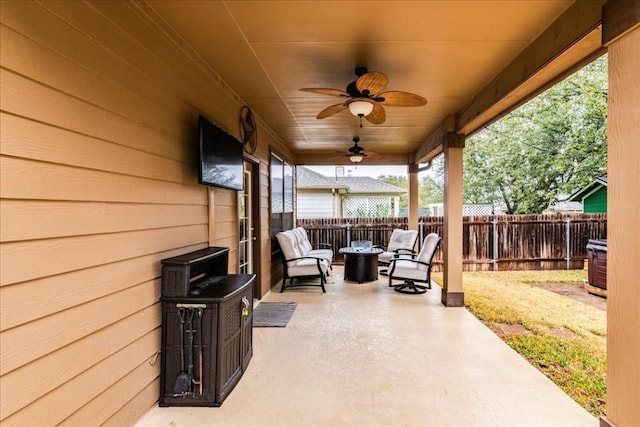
point(360, 108)
point(356, 158)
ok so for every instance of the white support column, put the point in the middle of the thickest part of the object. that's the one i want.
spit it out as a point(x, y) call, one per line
point(396, 206)
point(623, 205)
point(414, 187)
point(452, 292)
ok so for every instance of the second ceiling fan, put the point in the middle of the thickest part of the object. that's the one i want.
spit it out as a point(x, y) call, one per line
point(365, 97)
point(356, 153)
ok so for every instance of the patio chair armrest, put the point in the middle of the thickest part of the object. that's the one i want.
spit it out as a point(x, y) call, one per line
point(405, 251)
point(303, 257)
point(405, 254)
point(285, 263)
point(393, 261)
point(317, 259)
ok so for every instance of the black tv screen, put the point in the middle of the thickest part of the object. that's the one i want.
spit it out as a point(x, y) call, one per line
point(220, 157)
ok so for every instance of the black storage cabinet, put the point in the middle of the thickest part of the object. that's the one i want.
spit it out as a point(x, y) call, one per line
point(227, 313)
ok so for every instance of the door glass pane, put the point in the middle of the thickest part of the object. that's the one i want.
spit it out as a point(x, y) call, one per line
point(245, 227)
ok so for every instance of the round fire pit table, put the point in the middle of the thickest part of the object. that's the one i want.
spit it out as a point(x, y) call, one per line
point(360, 264)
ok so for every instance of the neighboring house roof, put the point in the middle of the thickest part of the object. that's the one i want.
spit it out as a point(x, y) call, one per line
point(600, 181)
point(365, 184)
point(308, 179)
point(564, 205)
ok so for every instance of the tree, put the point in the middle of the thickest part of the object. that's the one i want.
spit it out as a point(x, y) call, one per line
point(551, 146)
point(432, 183)
point(429, 191)
point(399, 181)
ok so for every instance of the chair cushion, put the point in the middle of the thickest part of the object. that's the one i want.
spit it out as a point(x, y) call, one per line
point(307, 267)
point(408, 265)
point(297, 242)
point(402, 239)
point(429, 247)
point(303, 239)
point(385, 256)
point(410, 273)
point(326, 254)
point(287, 243)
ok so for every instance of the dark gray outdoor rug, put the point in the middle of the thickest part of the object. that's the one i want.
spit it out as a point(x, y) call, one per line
point(273, 314)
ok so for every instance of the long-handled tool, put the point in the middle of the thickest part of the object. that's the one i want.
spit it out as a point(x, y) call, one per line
point(190, 349)
point(183, 382)
point(200, 372)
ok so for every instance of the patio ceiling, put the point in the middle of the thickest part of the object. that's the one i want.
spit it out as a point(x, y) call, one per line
point(446, 51)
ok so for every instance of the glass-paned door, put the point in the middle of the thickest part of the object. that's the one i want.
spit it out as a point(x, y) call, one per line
point(245, 232)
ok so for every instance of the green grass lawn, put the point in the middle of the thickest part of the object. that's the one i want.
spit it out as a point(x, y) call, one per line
point(576, 359)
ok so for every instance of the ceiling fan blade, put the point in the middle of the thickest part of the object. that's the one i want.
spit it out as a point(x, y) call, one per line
point(325, 91)
point(373, 82)
point(377, 116)
point(331, 110)
point(402, 99)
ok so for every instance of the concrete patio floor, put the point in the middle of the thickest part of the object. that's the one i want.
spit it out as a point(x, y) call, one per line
point(364, 355)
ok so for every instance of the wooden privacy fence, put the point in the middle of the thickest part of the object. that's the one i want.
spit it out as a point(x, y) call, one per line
point(490, 242)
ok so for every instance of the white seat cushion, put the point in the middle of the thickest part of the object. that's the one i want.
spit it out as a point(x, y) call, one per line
point(326, 254)
point(307, 267)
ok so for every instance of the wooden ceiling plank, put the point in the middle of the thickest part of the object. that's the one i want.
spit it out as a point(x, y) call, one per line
point(337, 159)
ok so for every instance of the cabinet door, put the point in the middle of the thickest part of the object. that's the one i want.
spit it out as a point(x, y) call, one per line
point(229, 341)
point(177, 355)
point(246, 341)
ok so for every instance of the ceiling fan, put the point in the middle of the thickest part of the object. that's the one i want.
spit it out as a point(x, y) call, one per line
point(355, 153)
point(365, 97)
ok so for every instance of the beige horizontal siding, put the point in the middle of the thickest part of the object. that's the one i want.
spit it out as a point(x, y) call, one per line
point(28, 179)
point(27, 219)
point(70, 397)
point(45, 374)
point(26, 343)
point(28, 301)
point(98, 183)
point(25, 138)
point(56, 256)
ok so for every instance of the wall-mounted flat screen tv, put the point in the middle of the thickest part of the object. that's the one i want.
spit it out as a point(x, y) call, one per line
point(220, 157)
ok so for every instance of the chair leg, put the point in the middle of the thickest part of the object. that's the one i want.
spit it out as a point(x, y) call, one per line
point(322, 283)
point(284, 281)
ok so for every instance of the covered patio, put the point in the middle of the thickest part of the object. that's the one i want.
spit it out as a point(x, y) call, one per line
point(364, 355)
point(99, 110)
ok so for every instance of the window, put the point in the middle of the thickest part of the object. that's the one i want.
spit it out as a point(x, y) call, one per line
point(281, 196)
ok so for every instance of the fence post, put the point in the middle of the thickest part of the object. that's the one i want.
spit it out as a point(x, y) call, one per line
point(348, 228)
point(495, 243)
point(568, 243)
